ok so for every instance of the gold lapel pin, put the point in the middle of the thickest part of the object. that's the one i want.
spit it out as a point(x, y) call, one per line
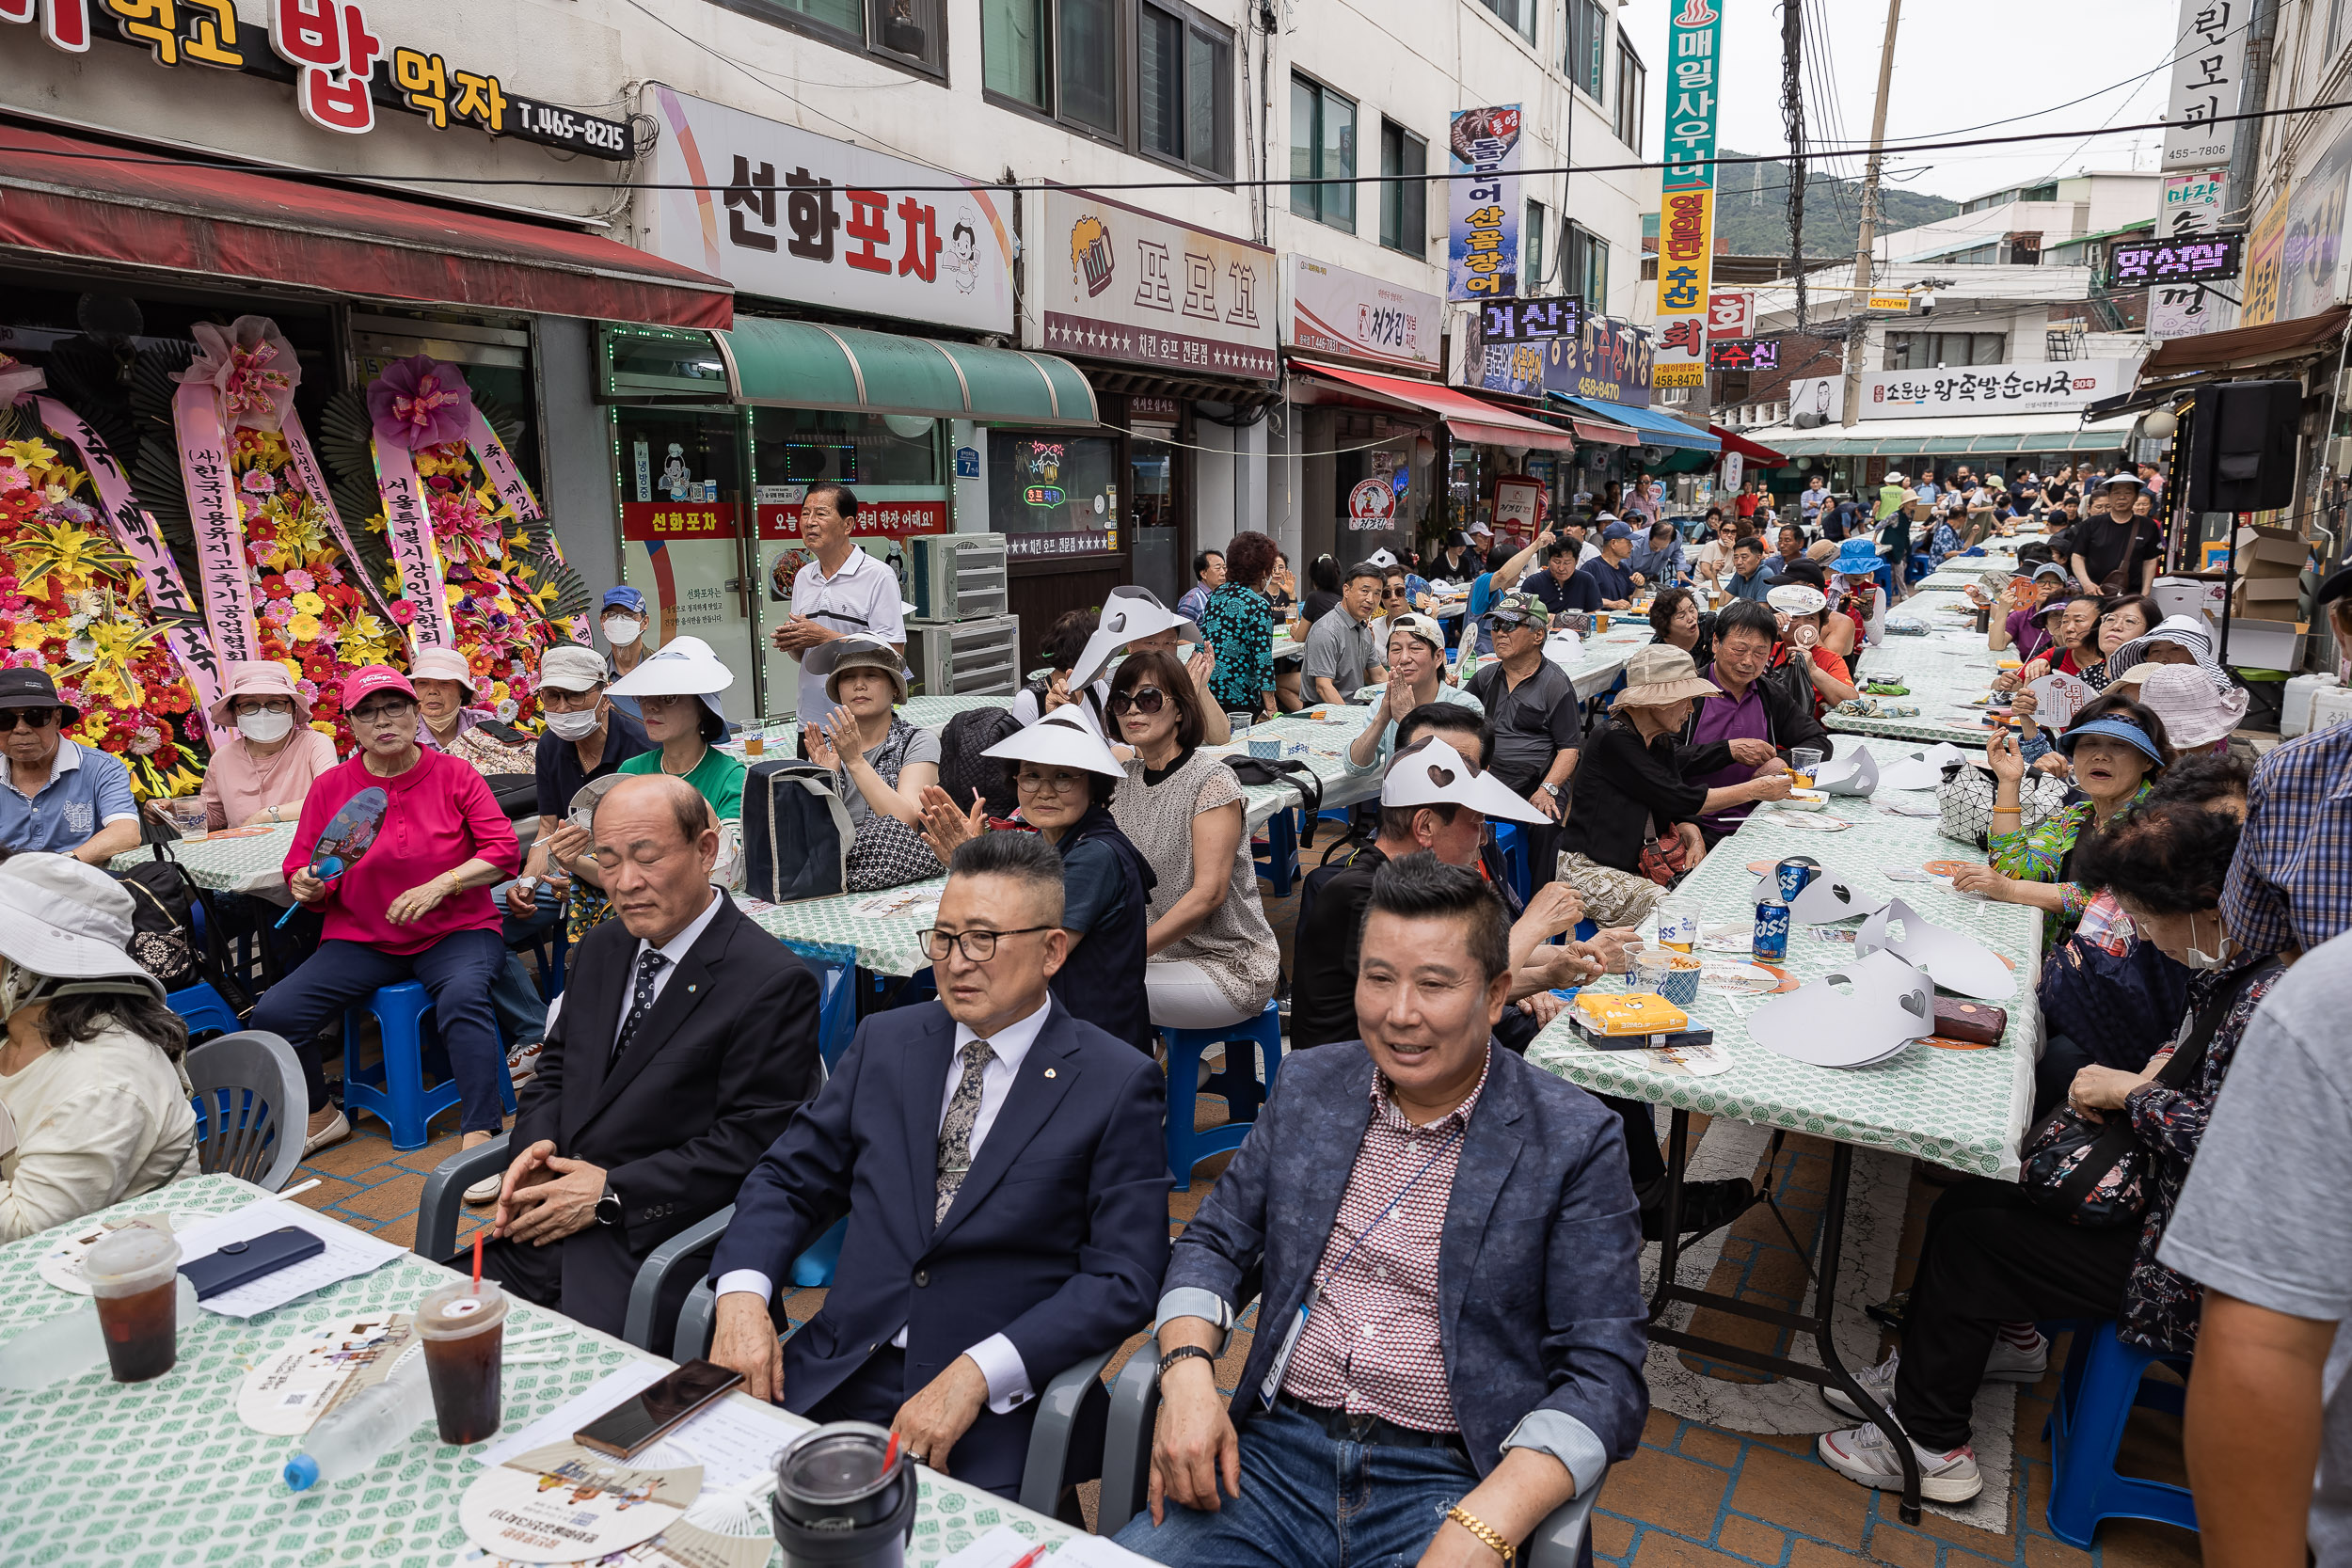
point(1049, 1072)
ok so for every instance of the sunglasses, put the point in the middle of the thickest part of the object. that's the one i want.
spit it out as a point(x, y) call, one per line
point(34, 717)
point(1144, 699)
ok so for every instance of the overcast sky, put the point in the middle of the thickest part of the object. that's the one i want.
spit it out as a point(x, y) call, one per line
point(1958, 65)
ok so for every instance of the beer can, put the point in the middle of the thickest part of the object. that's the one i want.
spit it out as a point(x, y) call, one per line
point(1795, 874)
point(1771, 945)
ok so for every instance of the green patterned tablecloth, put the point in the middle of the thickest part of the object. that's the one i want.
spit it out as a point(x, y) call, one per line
point(1943, 668)
point(1959, 1108)
point(240, 860)
point(165, 1473)
point(885, 944)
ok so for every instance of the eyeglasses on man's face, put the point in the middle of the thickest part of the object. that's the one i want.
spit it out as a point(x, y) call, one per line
point(977, 947)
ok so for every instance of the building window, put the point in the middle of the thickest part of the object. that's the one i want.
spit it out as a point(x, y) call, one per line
point(1532, 275)
point(1012, 50)
point(1405, 197)
point(908, 33)
point(1588, 272)
point(2039, 192)
point(1087, 59)
point(1323, 147)
point(1517, 15)
point(1631, 82)
point(1927, 351)
point(1588, 30)
point(1183, 81)
point(1057, 56)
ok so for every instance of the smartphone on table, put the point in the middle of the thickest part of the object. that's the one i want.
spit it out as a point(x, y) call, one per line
point(644, 1416)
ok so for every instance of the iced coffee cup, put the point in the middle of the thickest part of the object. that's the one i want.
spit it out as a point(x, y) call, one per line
point(464, 1329)
point(135, 1275)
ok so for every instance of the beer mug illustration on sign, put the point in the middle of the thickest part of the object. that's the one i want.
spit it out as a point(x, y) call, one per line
point(1090, 253)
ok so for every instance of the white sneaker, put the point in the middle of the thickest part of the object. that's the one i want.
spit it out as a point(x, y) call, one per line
point(1878, 1381)
point(334, 1130)
point(485, 1190)
point(522, 1063)
point(1862, 1454)
point(2009, 1364)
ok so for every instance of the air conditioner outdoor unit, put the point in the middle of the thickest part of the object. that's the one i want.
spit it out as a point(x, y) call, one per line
point(959, 576)
point(966, 658)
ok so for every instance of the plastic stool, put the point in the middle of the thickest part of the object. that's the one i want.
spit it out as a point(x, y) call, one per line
point(1238, 1084)
point(1511, 839)
point(201, 1008)
point(395, 1092)
point(2102, 1384)
point(815, 1266)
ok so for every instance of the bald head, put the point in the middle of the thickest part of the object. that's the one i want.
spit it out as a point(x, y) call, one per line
point(657, 841)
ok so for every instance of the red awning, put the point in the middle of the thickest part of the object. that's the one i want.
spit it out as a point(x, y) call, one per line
point(1470, 419)
point(65, 199)
point(1753, 452)
point(1609, 435)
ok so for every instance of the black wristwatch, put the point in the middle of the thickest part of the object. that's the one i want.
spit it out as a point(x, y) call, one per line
point(608, 1207)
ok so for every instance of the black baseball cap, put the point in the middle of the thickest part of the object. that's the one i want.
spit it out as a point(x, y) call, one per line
point(31, 687)
point(2337, 585)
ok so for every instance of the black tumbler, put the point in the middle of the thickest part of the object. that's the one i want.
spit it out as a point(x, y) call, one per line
point(838, 1505)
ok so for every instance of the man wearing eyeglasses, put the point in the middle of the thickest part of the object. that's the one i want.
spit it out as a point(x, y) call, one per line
point(1005, 1182)
point(62, 797)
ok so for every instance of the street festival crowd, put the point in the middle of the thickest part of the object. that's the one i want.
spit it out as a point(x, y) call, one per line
point(1441, 1242)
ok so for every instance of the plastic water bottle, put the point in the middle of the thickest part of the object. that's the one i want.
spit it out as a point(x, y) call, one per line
point(366, 1426)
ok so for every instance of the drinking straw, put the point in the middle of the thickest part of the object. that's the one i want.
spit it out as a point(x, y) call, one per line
point(477, 1262)
point(890, 1454)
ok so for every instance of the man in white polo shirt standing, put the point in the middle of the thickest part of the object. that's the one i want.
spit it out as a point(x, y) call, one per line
point(844, 591)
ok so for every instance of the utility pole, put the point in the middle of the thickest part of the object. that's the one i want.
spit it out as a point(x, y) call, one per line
point(1857, 320)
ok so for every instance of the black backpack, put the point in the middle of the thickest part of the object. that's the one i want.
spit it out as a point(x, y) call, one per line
point(963, 771)
point(796, 832)
point(163, 931)
point(1266, 770)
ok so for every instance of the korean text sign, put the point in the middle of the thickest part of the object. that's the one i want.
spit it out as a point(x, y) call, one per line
point(794, 216)
point(2208, 60)
point(1686, 228)
point(1110, 281)
point(1483, 223)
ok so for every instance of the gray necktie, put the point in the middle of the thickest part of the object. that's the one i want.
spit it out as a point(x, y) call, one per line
point(955, 1129)
point(647, 968)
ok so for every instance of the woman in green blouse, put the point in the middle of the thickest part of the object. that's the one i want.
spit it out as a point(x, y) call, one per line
point(2116, 747)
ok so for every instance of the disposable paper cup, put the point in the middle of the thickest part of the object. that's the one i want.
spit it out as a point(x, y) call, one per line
point(1267, 748)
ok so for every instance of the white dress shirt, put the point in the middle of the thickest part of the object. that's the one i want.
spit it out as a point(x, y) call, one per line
point(861, 599)
point(674, 950)
point(1008, 1384)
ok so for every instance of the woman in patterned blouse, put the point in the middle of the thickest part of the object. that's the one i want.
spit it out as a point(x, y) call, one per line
point(2116, 746)
point(1994, 1262)
point(1238, 626)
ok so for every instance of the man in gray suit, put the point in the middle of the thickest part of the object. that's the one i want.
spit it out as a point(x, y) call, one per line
point(1449, 1330)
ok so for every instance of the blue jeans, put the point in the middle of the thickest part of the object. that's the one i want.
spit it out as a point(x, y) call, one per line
point(1309, 1500)
point(457, 970)
point(522, 1011)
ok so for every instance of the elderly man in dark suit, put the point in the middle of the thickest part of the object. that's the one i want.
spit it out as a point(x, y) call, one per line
point(1450, 1332)
point(686, 1040)
point(1005, 1179)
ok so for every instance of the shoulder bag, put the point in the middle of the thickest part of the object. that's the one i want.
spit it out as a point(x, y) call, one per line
point(2096, 1174)
point(1963, 802)
point(886, 852)
point(1666, 858)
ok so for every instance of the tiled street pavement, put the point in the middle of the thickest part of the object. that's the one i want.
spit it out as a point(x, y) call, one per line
point(1694, 1497)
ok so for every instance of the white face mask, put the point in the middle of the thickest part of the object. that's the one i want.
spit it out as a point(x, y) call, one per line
point(262, 727)
point(2198, 957)
point(621, 630)
point(573, 726)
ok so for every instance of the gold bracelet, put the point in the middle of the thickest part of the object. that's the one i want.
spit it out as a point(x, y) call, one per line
point(1488, 1535)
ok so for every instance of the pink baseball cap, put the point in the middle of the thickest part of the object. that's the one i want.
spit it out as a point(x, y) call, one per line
point(369, 679)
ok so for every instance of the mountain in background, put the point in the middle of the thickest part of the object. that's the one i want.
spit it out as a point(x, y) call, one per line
point(1751, 210)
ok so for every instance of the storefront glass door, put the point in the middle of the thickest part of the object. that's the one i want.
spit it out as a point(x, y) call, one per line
point(684, 521)
point(1159, 539)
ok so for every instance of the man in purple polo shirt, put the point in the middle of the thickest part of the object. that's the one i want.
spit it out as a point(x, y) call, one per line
point(1747, 730)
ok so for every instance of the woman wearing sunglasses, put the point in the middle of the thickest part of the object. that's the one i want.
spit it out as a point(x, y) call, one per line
point(1065, 777)
point(1213, 959)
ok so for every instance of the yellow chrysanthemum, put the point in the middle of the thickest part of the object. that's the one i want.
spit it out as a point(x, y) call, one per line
point(303, 628)
point(454, 594)
point(309, 604)
point(29, 636)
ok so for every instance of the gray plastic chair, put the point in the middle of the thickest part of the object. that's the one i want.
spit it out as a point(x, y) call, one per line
point(1558, 1541)
point(250, 1107)
point(1058, 1403)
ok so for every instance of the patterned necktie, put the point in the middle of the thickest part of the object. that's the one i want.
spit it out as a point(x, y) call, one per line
point(647, 968)
point(955, 1129)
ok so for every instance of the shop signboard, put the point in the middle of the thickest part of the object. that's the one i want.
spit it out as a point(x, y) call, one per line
point(2049, 386)
point(341, 72)
point(1483, 203)
point(1608, 361)
point(686, 556)
point(2192, 206)
point(1686, 241)
point(1743, 353)
point(2313, 256)
point(1110, 281)
point(1518, 505)
point(1731, 314)
point(790, 214)
point(1337, 311)
point(1818, 400)
point(1530, 321)
point(2208, 60)
point(1371, 505)
point(2190, 258)
point(2264, 254)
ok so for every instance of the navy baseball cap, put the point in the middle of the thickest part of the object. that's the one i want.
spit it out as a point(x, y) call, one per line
point(1616, 530)
point(625, 598)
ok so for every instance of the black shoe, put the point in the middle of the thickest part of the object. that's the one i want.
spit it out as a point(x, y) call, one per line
point(1705, 1206)
point(1892, 1311)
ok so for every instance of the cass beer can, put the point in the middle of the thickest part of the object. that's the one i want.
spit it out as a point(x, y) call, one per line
point(1796, 873)
point(1771, 945)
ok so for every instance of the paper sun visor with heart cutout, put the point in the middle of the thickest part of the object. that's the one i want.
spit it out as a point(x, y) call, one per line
point(1128, 616)
point(1857, 774)
point(1855, 1015)
point(1923, 770)
point(1952, 960)
point(1433, 773)
point(1827, 899)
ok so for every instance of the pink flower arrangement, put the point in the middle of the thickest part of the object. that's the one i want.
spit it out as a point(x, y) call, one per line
point(419, 403)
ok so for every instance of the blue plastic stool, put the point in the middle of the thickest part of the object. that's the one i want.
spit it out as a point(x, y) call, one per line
point(836, 991)
point(395, 1092)
point(815, 1266)
point(202, 1009)
point(1512, 840)
point(1279, 865)
point(2101, 1384)
point(1238, 1084)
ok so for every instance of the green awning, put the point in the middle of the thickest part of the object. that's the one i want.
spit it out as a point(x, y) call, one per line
point(797, 364)
point(1804, 444)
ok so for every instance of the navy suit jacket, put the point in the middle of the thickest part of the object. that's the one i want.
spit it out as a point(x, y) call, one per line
point(1538, 1272)
point(1058, 1238)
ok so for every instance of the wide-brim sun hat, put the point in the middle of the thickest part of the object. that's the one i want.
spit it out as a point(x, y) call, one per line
point(684, 667)
point(1129, 615)
point(1856, 558)
point(68, 921)
point(1062, 738)
point(1797, 599)
point(1433, 773)
point(257, 677)
point(31, 687)
point(2194, 714)
point(1660, 674)
point(2131, 479)
point(2182, 631)
point(2114, 729)
point(832, 661)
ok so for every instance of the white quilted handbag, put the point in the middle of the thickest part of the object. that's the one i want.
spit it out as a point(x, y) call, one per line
point(1963, 802)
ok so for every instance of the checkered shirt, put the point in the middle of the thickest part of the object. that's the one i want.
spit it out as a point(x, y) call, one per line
point(1374, 1347)
point(2291, 884)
